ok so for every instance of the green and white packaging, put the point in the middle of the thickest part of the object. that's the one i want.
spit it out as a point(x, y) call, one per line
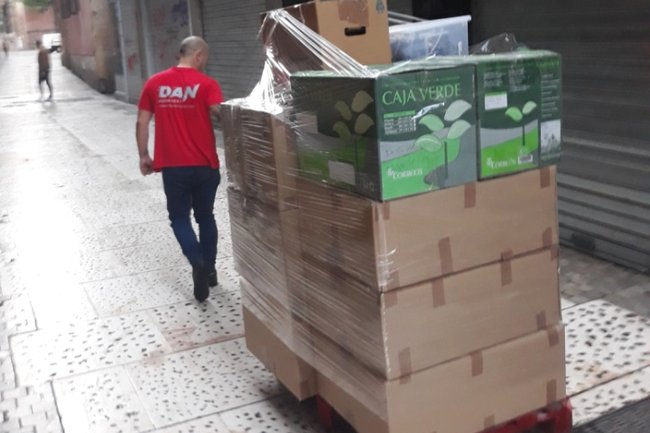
point(404, 131)
point(519, 99)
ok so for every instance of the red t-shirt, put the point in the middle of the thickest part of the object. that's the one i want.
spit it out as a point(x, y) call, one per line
point(180, 99)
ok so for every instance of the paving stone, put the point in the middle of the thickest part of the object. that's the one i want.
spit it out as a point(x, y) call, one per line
point(16, 316)
point(604, 342)
point(610, 396)
point(200, 382)
point(10, 425)
point(282, 415)
point(191, 324)
point(14, 393)
point(61, 352)
point(208, 424)
point(100, 402)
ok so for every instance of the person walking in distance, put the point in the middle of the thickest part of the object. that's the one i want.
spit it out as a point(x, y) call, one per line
point(183, 100)
point(43, 68)
point(5, 47)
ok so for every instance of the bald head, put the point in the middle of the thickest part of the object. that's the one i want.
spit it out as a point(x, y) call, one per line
point(192, 45)
point(193, 53)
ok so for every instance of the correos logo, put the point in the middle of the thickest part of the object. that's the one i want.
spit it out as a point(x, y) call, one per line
point(167, 92)
point(404, 174)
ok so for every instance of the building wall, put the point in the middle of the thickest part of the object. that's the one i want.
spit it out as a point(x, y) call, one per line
point(38, 23)
point(130, 76)
point(18, 25)
point(90, 41)
point(167, 23)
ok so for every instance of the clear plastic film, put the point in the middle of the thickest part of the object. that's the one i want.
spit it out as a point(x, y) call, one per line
point(365, 241)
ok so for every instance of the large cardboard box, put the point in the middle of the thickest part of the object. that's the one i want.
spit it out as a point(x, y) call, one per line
point(526, 374)
point(465, 395)
point(294, 373)
point(358, 27)
point(260, 154)
point(265, 243)
point(407, 241)
point(520, 110)
point(406, 131)
point(410, 329)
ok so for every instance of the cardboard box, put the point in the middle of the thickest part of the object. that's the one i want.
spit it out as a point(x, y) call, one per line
point(265, 240)
point(520, 110)
point(407, 241)
point(406, 131)
point(466, 395)
point(232, 137)
point(410, 329)
point(260, 155)
point(358, 27)
point(294, 373)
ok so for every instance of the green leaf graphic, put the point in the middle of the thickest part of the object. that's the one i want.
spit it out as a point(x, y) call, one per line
point(432, 122)
point(458, 129)
point(344, 110)
point(430, 143)
point(363, 124)
point(343, 132)
point(515, 114)
point(361, 100)
point(456, 110)
point(529, 107)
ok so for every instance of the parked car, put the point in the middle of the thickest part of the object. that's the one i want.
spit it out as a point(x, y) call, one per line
point(52, 42)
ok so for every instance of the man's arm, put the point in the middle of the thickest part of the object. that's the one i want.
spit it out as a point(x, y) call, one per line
point(215, 111)
point(142, 137)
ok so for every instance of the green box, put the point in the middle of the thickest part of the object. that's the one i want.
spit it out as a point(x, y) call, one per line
point(519, 99)
point(397, 132)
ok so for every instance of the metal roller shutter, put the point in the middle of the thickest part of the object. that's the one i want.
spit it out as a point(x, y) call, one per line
point(605, 172)
point(401, 6)
point(236, 56)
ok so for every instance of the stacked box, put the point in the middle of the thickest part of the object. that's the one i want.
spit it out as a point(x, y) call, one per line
point(499, 383)
point(400, 304)
point(520, 107)
point(358, 28)
point(399, 243)
point(519, 103)
point(406, 131)
point(260, 155)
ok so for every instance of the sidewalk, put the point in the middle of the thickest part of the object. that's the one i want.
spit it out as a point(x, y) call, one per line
point(99, 331)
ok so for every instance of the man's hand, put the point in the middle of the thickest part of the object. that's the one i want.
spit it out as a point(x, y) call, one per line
point(146, 165)
point(142, 137)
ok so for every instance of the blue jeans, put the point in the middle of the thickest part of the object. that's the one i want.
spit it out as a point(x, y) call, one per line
point(193, 188)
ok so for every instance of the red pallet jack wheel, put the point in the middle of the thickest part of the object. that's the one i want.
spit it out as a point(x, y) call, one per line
point(326, 414)
point(555, 418)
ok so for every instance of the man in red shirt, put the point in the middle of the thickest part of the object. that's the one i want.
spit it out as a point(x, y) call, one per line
point(183, 99)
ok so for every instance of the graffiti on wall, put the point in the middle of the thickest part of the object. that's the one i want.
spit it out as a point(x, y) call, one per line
point(170, 25)
point(132, 61)
point(180, 13)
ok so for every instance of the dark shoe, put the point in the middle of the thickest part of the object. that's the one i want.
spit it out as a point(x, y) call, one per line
point(213, 279)
point(201, 288)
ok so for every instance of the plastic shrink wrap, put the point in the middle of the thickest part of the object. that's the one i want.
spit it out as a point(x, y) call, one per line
point(380, 266)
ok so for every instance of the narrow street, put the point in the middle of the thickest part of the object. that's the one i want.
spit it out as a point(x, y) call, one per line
point(99, 329)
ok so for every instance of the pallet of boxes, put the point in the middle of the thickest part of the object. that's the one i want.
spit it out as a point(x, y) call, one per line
point(396, 230)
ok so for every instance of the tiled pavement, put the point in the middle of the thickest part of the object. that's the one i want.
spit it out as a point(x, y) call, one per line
point(98, 328)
